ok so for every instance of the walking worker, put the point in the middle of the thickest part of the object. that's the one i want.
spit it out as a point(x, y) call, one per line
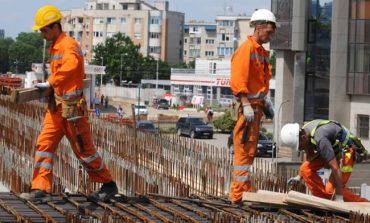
point(325, 143)
point(250, 76)
point(69, 116)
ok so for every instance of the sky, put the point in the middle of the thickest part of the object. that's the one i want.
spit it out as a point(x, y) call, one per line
point(18, 15)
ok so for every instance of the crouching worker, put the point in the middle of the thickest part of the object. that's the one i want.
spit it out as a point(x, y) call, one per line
point(66, 113)
point(325, 143)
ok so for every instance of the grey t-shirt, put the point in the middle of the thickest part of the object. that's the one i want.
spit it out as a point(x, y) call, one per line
point(325, 136)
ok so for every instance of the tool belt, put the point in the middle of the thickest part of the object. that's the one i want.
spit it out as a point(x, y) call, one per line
point(72, 108)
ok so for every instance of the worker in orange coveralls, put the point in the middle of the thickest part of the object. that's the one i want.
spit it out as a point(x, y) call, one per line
point(325, 142)
point(250, 76)
point(66, 114)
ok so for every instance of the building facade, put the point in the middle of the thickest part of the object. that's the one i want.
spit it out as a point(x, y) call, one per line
point(210, 80)
point(215, 40)
point(200, 40)
point(2, 34)
point(323, 62)
point(158, 30)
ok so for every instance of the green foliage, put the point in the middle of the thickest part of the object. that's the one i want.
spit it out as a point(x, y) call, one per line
point(122, 57)
point(18, 55)
point(4, 54)
point(224, 122)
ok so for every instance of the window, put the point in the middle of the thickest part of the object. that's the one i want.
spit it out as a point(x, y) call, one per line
point(209, 53)
point(111, 20)
point(137, 35)
point(155, 20)
point(185, 40)
point(212, 67)
point(137, 20)
point(123, 20)
point(210, 41)
point(155, 35)
point(124, 6)
point(185, 52)
point(155, 49)
point(363, 126)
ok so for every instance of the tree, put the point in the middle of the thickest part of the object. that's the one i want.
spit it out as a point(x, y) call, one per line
point(27, 49)
point(119, 52)
point(224, 122)
point(4, 54)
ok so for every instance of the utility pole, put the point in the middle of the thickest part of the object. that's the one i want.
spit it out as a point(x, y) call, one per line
point(156, 82)
point(101, 75)
point(120, 76)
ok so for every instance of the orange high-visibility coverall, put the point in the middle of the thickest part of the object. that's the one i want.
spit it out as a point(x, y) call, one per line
point(348, 161)
point(250, 75)
point(67, 73)
point(308, 171)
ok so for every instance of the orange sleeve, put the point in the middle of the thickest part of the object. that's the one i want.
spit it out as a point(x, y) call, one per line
point(68, 67)
point(240, 63)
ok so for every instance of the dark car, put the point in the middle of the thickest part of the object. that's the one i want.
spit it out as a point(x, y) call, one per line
point(146, 126)
point(163, 104)
point(193, 127)
point(265, 146)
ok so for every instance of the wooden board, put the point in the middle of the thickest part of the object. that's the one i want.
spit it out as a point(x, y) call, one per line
point(312, 201)
point(23, 95)
point(265, 197)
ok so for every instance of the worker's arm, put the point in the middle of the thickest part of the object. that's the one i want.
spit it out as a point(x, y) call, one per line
point(337, 175)
point(66, 71)
point(240, 63)
point(326, 151)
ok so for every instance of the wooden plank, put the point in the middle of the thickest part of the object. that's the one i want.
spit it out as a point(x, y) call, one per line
point(23, 95)
point(317, 202)
point(265, 197)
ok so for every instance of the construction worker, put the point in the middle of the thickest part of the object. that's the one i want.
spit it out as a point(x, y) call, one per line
point(324, 143)
point(68, 116)
point(250, 76)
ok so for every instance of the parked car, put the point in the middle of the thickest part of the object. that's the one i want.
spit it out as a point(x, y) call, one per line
point(146, 126)
point(193, 127)
point(163, 104)
point(141, 110)
point(265, 146)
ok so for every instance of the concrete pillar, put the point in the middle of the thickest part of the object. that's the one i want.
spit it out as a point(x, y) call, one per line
point(299, 86)
point(339, 101)
point(283, 91)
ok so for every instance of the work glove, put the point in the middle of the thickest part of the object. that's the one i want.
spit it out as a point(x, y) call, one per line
point(43, 85)
point(294, 180)
point(248, 113)
point(268, 110)
point(339, 198)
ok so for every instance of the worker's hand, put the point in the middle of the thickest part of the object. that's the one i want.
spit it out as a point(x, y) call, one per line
point(43, 85)
point(268, 110)
point(339, 198)
point(294, 180)
point(248, 113)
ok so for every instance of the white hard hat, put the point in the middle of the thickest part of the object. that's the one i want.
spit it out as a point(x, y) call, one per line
point(289, 135)
point(263, 15)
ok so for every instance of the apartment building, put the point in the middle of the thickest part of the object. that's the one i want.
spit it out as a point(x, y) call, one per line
point(323, 62)
point(158, 30)
point(200, 40)
point(2, 34)
point(216, 40)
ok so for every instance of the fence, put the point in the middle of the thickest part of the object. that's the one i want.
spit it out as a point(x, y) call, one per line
point(139, 162)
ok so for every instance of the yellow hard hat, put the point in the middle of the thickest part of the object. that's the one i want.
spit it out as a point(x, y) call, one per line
point(46, 15)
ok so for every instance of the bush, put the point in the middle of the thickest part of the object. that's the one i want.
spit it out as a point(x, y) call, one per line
point(224, 122)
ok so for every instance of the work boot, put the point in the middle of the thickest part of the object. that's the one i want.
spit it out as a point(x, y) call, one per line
point(36, 196)
point(106, 192)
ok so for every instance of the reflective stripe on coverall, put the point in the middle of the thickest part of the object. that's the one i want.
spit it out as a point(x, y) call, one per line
point(250, 75)
point(348, 162)
point(67, 73)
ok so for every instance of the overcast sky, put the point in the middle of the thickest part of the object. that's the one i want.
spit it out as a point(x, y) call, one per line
point(18, 15)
